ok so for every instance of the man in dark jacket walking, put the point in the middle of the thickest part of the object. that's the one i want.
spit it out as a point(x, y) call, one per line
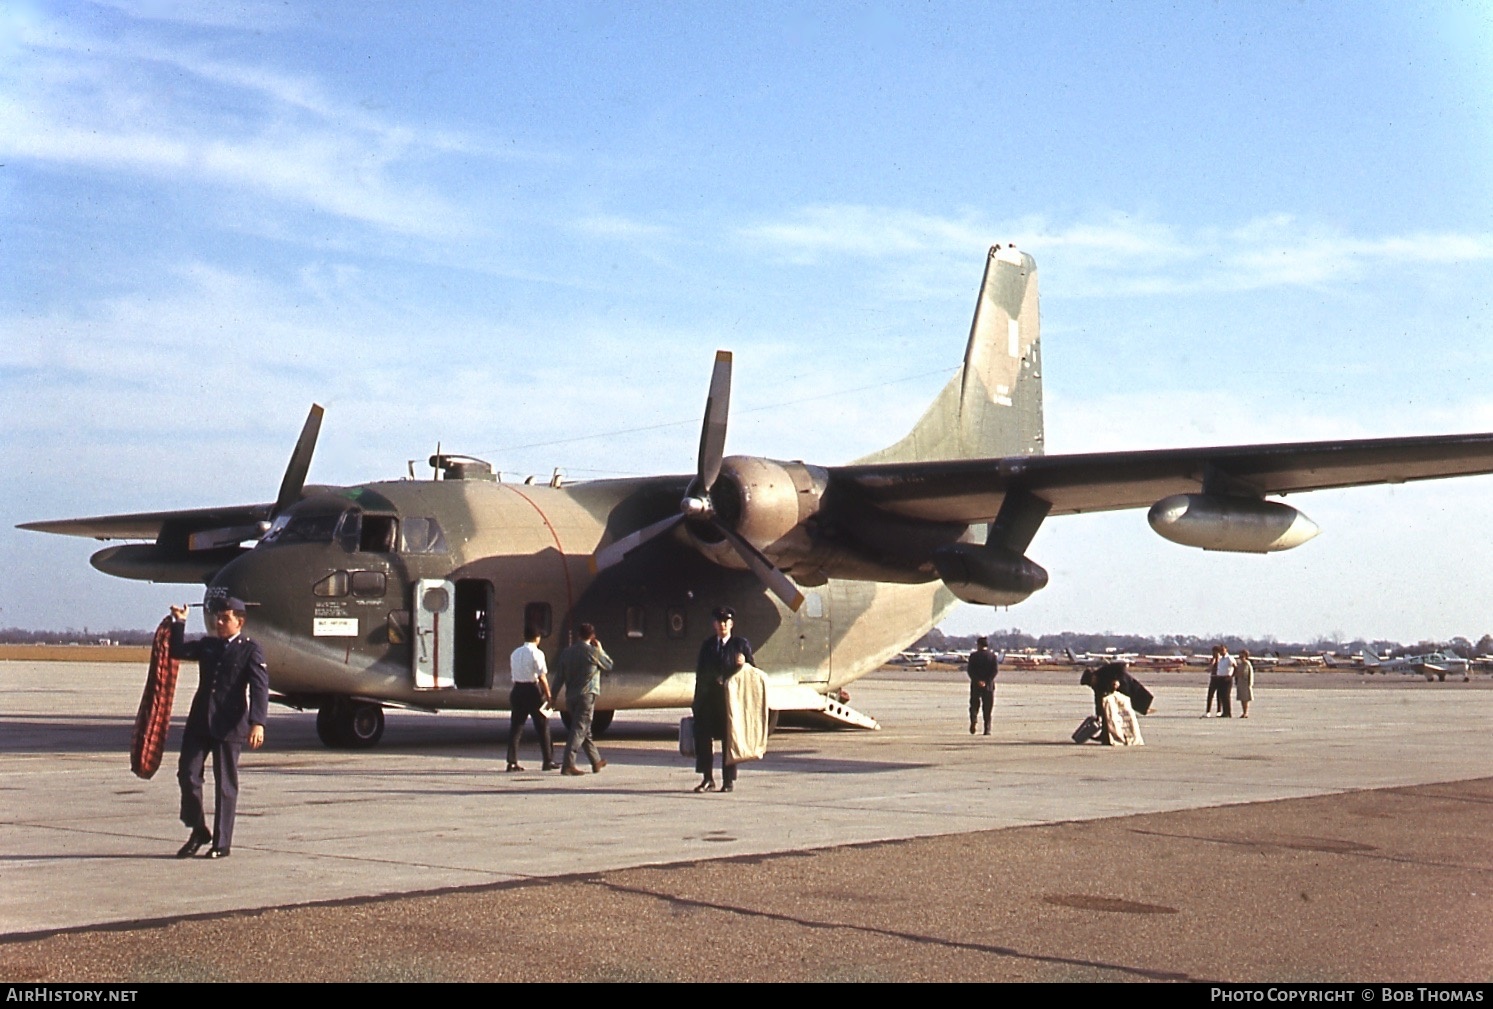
point(721, 656)
point(228, 710)
point(982, 670)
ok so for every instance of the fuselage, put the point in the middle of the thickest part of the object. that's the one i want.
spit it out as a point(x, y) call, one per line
point(417, 592)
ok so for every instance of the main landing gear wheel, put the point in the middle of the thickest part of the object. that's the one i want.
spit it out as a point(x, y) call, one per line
point(601, 721)
point(342, 723)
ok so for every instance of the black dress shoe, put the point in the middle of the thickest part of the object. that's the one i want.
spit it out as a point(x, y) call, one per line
point(217, 853)
point(515, 767)
point(708, 785)
point(729, 786)
point(550, 767)
point(199, 837)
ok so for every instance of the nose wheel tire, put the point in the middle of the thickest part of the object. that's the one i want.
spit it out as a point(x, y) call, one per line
point(345, 724)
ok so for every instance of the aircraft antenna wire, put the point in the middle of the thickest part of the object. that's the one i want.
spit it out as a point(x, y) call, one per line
point(693, 421)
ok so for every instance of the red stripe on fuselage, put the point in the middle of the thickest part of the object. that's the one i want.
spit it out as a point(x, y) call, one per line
point(564, 568)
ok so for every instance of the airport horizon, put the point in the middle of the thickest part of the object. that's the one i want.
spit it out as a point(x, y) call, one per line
point(1065, 638)
point(839, 842)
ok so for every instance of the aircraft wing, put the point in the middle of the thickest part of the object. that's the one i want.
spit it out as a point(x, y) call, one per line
point(148, 525)
point(971, 490)
point(181, 524)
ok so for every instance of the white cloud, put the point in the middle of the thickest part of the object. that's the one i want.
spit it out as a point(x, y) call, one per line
point(1119, 254)
point(1126, 420)
point(863, 231)
point(621, 228)
point(243, 14)
point(135, 106)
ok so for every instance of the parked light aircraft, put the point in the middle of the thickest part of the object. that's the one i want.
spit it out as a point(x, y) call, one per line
point(1095, 658)
point(414, 592)
point(1431, 665)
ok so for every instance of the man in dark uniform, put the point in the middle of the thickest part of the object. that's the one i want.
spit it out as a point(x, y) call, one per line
point(721, 655)
point(228, 710)
point(982, 672)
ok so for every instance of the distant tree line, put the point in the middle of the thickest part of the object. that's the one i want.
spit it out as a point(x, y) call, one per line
point(17, 636)
point(1002, 640)
point(1193, 644)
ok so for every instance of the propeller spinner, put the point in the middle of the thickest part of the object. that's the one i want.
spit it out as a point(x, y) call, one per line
point(697, 505)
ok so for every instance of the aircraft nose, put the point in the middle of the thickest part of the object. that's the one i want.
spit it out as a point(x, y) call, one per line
point(241, 578)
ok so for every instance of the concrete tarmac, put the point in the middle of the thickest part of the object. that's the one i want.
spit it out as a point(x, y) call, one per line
point(844, 855)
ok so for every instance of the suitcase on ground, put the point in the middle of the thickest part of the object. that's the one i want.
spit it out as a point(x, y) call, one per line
point(1089, 729)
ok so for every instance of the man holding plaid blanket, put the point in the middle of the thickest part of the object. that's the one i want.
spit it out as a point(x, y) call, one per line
point(229, 710)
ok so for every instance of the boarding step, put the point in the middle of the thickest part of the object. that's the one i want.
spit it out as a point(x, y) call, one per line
point(800, 705)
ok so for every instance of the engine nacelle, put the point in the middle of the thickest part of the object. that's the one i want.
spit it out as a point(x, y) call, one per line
point(766, 502)
point(149, 562)
point(1238, 525)
point(988, 576)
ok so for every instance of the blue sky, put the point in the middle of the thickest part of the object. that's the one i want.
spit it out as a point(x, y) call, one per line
point(522, 231)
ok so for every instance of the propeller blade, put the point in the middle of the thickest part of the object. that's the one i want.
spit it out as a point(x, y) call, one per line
point(778, 583)
point(300, 462)
point(613, 553)
point(713, 432)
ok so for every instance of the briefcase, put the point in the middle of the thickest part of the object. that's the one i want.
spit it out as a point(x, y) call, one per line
point(687, 736)
point(1089, 729)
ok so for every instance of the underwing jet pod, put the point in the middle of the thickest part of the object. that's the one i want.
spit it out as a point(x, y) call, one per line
point(414, 592)
point(1240, 524)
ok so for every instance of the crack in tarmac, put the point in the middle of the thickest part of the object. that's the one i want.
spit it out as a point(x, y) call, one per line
point(892, 933)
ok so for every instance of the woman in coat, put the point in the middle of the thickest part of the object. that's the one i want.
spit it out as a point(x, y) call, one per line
point(1244, 681)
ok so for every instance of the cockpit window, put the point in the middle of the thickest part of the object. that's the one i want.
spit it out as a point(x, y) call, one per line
point(302, 529)
point(380, 533)
point(369, 583)
point(334, 584)
point(350, 529)
point(423, 536)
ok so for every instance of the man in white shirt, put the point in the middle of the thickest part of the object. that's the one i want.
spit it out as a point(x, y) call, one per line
point(1222, 680)
point(530, 694)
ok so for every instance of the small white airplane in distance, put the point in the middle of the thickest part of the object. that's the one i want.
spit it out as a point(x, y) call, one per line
point(1431, 665)
point(1089, 658)
point(1287, 661)
point(1025, 660)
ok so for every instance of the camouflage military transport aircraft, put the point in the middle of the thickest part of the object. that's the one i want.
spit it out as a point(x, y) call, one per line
point(414, 592)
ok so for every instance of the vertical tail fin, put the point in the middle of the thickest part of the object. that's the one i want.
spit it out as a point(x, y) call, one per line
point(993, 406)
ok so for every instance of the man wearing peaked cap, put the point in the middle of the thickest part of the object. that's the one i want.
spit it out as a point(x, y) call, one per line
point(228, 710)
point(722, 655)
